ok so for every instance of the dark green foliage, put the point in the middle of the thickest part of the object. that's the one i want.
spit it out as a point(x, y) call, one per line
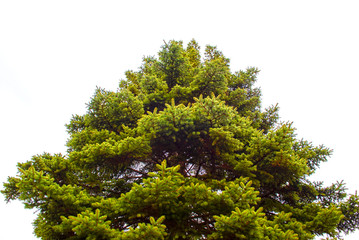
point(183, 150)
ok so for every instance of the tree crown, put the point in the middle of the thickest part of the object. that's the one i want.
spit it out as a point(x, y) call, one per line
point(183, 150)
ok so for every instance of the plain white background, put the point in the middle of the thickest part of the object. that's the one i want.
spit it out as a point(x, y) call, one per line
point(53, 54)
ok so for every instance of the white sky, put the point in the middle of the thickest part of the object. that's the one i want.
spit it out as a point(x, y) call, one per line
point(54, 53)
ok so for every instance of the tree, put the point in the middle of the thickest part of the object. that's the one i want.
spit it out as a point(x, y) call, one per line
point(183, 150)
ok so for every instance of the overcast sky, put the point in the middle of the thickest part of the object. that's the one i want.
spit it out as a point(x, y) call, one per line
point(53, 54)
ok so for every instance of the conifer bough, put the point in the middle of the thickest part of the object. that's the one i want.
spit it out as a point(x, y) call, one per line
point(183, 150)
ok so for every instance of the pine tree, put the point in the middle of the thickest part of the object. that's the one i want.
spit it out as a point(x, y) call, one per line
point(183, 150)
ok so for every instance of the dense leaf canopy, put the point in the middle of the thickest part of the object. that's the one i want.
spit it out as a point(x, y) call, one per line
point(183, 150)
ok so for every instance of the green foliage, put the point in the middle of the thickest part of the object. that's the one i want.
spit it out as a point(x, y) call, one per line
point(183, 150)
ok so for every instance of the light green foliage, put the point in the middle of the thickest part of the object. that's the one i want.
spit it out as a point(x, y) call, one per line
point(183, 150)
